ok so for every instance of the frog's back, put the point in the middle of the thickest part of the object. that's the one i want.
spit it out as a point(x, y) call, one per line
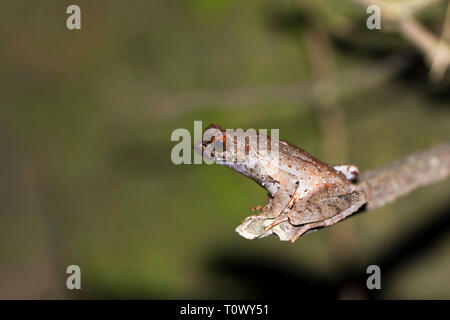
point(291, 150)
point(291, 155)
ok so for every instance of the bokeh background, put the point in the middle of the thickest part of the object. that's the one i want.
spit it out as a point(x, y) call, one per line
point(85, 171)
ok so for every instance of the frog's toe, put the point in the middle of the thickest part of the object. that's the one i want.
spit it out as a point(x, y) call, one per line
point(263, 209)
point(257, 208)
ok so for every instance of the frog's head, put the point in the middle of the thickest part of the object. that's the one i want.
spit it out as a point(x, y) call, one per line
point(221, 146)
point(213, 144)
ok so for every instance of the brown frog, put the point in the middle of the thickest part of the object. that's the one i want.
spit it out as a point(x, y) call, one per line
point(303, 191)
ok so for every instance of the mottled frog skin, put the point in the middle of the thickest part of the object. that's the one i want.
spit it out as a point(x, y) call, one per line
point(302, 189)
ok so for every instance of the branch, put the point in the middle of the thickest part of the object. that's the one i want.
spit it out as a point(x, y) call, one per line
point(382, 185)
point(391, 181)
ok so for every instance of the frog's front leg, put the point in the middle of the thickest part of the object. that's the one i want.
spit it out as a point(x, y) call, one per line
point(343, 205)
point(266, 207)
point(300, 194)
point(288, 185)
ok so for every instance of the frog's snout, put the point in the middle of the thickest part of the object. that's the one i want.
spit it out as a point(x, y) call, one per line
point(198, 147)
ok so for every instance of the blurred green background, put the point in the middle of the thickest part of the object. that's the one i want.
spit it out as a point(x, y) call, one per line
point(86, 176)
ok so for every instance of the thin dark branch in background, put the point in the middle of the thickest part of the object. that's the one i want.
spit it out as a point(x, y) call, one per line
point(355, 77)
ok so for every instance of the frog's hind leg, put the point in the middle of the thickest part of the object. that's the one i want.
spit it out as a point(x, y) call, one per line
point(280, 200)
point(281, 218)
point(310, 226)
point(355, 200)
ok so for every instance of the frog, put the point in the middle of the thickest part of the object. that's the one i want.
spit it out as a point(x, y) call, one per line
point(302, 190)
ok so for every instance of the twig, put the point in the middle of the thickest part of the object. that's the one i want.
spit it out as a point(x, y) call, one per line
point(382, 185)
point(439, 63)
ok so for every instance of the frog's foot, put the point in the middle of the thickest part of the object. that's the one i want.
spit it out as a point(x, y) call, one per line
point(281, 218)
point(264, 212)
point(264, 209)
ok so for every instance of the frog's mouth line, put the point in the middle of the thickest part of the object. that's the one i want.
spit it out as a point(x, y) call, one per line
point(199, 148)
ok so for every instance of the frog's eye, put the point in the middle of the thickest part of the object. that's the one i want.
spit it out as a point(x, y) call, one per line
point(218, 145)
